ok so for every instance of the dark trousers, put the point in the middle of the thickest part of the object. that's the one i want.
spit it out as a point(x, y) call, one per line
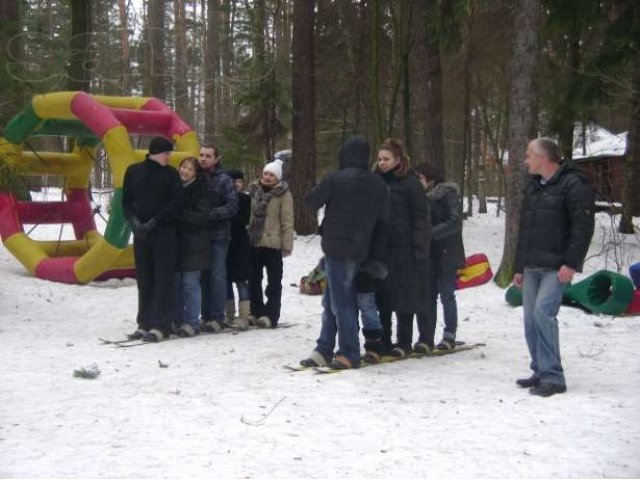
point(404, 329)
point(156, 258)
point(442, 282)
point(268, 259)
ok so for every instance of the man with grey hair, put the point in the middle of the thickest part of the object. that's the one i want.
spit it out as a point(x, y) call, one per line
point(556, 226)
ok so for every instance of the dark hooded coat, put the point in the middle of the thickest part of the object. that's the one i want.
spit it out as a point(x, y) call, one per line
point(447, 249)
point(356, 205)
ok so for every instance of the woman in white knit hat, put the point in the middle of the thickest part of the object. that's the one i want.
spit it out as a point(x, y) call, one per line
point(271, 237)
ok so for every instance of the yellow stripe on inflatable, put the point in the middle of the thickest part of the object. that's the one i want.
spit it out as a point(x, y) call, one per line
point(473, 271)
point(54, 105)
point(96, 261)
point(188, 143)
point(66, 248)
point(49, 163)
point(28, 252)
point(80, 175)
point(125, 260)
point(120, 152)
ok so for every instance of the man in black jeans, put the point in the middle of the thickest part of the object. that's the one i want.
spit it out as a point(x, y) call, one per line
point(152, 201)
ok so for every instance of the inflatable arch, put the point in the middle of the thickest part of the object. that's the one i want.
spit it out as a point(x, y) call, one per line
point(91, 119)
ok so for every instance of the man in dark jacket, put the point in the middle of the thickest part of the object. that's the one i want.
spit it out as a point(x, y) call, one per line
point(556, 226)
point(223, 202)
point(356, 204)
point(152, 201)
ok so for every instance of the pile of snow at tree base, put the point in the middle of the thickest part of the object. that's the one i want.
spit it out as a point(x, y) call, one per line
point(224, 406)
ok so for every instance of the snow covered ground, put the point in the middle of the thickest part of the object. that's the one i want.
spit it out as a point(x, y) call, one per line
point(225, 407)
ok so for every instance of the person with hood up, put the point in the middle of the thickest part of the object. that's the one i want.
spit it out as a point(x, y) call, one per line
point(556, 226)
point(152, 201)
point(271, 238)
point(447, 256)
point(353, 232)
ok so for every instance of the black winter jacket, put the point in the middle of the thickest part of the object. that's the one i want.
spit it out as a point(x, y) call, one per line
point(356, 204)
point(151, 190)
point(557, 221)
point(194, 246)
point(447, 249)
point(407, 257)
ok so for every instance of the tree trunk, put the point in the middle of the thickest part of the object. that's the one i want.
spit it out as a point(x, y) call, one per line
point(79, 70)
point(303, 171)
point(429, 71)
point(123, 13)
point(10, 59)
point(211, 68)
point(154, 49)
point(480, 156)
point(375, 69)
point(631, 186)
point(181, 99)
point(523, 115)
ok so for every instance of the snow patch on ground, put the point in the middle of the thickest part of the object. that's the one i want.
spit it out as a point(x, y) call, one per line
point(225, 407)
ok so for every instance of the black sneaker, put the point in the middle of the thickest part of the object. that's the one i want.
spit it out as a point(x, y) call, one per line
point(154, 336)
point(316, 359)
point(137, 335)
point(423, 348)
point(532, 381)
point(400, 352)
point(546, 389)
point(446, 344)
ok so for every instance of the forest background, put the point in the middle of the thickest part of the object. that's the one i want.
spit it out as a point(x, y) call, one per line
point(465, 83)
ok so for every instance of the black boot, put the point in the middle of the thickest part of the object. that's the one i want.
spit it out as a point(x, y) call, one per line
point(373, 345)
point(532, 381)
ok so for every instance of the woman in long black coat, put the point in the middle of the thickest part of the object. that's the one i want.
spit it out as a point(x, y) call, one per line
point(193, 247)
point(404, 290)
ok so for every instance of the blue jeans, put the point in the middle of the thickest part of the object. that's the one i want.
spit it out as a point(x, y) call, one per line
point(368, 311)
point(243, 290)
point(214, 283)
point(447, 291)
point(542, 295)
point(340, 312)
point(188, 299)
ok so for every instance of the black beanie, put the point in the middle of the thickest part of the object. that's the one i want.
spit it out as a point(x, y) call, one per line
point(236, 174)
point(160, 145)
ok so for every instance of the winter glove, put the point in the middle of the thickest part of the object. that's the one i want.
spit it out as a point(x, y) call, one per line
point(374, 269)
point(147, 227)
point(136, 227)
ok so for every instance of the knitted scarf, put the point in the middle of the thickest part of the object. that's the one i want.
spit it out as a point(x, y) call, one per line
point(262, 196)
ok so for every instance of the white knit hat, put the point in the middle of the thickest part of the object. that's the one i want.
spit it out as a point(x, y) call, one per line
point(274, 167)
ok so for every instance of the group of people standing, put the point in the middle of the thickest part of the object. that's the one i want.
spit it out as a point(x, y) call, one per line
point(197, 234)
point(392, 242)
point(391, 239)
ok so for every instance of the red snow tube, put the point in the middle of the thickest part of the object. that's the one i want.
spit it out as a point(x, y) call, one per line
point(634, 306)
point(476, 271)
